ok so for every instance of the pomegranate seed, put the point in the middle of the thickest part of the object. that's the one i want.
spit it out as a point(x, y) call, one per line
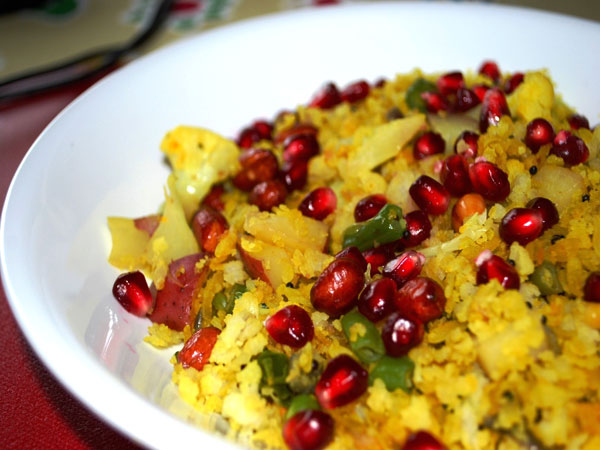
point(290, 326)
point(577, 121)
point(208, 226)
point(294, 175)
point(539, 132)
point(428, 144)
point(342, 382)
point(429, 195)
point(404, 267)
point(492, 267)
point(377, 299)
point(422, 440)
point(480, 90)
point(489, 180)
point(214, 198)
point(355, 92)
point(418, 227)
point(368, 207)
point(328, 97)
point(513, 82)
point(573, 151)
point(466, 144)
point(591, 289)
point(247, 137)
point(354, 254)
point(336, 290)
point(308, 430)
point(493, 107)
point(381, 82)
point(319, 203)
point(197, 349)
point(547, 209)
point(258, 165)
point(400, 334)
point(297, 129)
point(450, 82)
point(466, 99)
point(435, 102)
point(132, 292)
point(490, 69)
point(421, 298)
point(522, 225)
point(300, 148)
point(377, 257)
point(455, 175)
point(465, 207)
point(264, 129)
point(268, 194)
point(561, 137)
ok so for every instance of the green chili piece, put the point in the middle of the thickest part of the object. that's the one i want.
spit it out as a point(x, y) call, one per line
point(414, 91)
point(394, 372)
point(275, 369)
point(302, 402)
point(545, 277)
point(387, 226)
point(365, 340)
point(219, 302)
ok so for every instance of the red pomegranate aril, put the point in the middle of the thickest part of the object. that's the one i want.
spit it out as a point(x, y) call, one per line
point(297, 129)
point(455, 175)
point(450, 82)
point(377, 257)
point(466, 99)
point(291, 326)
point(435, 102)
point(490, 69)
point(513, 82)
point(308, 430)
point(336, 290)
point(355, 92)
point(547, 209)
point(480, 90)
point(489, 181)
point(492, 267)
point(197, 349)
point(430, 195)
point(369, 206)
point(326, 98)
point(467, 144)
point(493, 107)
point(132, 292)
point(577, 121)
point(248, 137)
point(377, 299)
point(300, 148)
point(319, 203)
point(343, 381)
point(404, 267)
point(268, 194)
point(573, 151)
point(354, 254)
point(421, 298)
point(400, 334)
point(214, 197)
point(561, 137)
point(258, 165)
point(264, 129)
point(294, 175)
point(208, 226)
point(539, 132)
point(422, 440)
point(428, 144)
point(521, 225)
point(418, 228)
point(591, 289)
point(380, 82)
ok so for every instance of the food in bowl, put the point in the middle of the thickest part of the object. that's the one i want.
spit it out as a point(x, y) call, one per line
point(413, 263)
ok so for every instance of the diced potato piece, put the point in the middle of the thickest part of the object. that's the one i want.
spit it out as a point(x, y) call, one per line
point(533, 98)
point(128, 244)
point(266, 262)
point(558, 184)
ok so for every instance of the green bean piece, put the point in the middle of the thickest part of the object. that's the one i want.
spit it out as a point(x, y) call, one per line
point(387, 226)
point(302, 402)
point(396, 373)
point(545, 277)
point(363, 335)
point(219, 302)
point(275, 369)
point(413, 94)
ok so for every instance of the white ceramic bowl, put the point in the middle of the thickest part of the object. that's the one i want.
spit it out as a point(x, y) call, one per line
point(100, 157)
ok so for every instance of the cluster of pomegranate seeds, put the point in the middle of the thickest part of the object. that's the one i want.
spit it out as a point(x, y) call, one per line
point(308, 430)
point(493, 107)
point(430, 195)
point(290, 326)
point(465, 207)
point(571, 149)
point(577, 121)
point(404, 267)
point(418, 228)
point(258, 131)
point(422, 440)
point(268, 194)
point(197, 349)
point(369, 206)
point(355, 92)
point(342, 382)
point(513, 82)
point(421, 298)
point(132, 292)
point(466, 144)
point(377, 299)
point(539, 132)
point(428, 144)
point(490, 69)
point(208, 226)
point(547, 209)
point(258, 165)
point(521, 225)
point(377, 257)
point(450, 83)
point(591, 289)
point(489, 181)
point(300, 147)
point(455, 175)
point(400, 334)
point(327, 97)
point(319, 203)
point(490, 267)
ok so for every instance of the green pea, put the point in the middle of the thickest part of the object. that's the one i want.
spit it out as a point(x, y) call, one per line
point(302, 402)
point(545, 277)
point(396, 373)
point(367, 346)
point(387, 226)
point(413, 94)
point(219, 302)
